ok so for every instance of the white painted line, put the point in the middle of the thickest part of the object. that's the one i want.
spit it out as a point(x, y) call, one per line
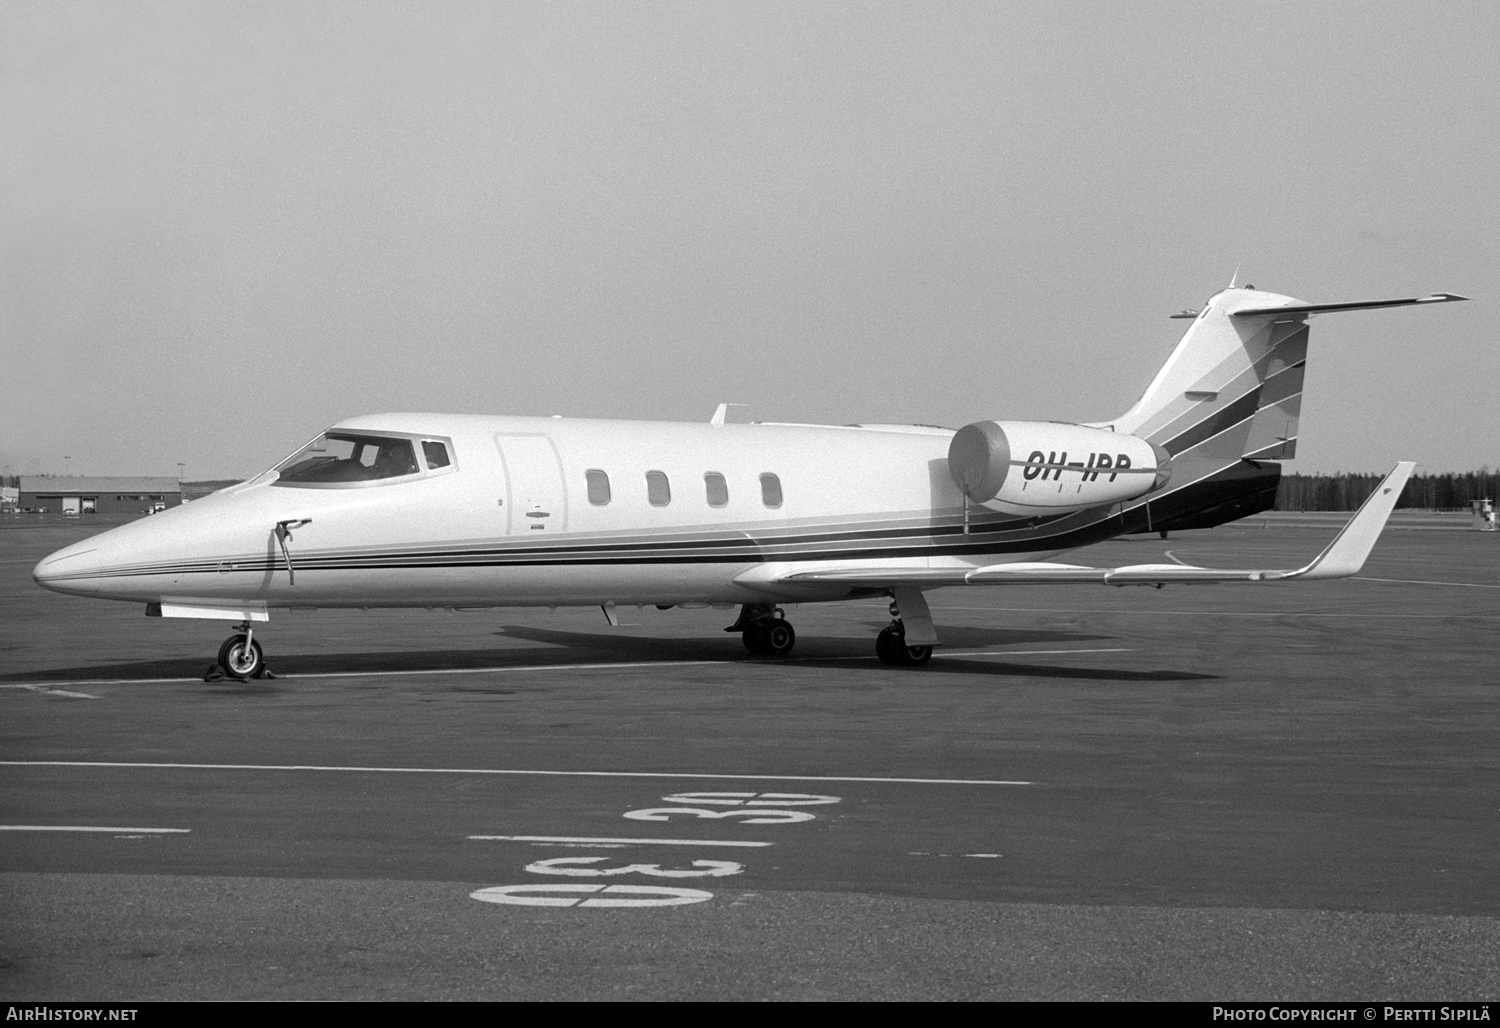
point(1412, 581)
point(47, 690)
point(572, 840)
point(94, 828)
point(499, 771)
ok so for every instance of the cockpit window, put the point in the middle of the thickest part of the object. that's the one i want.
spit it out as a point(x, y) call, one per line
point(436, 453)
point(350, 457)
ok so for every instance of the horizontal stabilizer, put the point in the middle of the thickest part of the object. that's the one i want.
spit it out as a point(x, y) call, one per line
point(1342, 557)
point(1329, 308)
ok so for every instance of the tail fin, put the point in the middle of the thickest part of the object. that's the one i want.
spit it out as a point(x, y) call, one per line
point(1231, 391)
point(1233, 386)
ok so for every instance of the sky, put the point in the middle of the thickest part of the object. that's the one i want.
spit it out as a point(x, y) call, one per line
point(226, 226)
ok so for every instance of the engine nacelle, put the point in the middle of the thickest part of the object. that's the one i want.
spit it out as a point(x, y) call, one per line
point(1045, 467)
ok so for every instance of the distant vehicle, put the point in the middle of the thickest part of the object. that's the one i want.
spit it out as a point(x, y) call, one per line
point(443, 510)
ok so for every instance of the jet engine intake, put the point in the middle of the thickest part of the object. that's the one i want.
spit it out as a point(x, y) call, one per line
point(1046, 467)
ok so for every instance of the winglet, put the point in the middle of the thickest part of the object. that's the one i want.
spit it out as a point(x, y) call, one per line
point(1346, 554)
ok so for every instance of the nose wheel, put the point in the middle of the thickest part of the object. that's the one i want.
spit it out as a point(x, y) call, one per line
point(240, 657)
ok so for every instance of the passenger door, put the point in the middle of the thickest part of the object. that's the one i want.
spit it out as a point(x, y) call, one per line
point(536, 497)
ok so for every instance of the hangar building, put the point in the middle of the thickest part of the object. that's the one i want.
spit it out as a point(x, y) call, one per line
point(81, 495)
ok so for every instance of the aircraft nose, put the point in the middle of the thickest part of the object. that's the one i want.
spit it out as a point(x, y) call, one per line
point(70, 569)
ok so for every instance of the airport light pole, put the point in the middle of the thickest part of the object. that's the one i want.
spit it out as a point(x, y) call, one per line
point(181, 473)
point(67, 466)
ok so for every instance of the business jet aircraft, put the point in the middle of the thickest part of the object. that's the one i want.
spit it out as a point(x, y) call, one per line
point(441, 510)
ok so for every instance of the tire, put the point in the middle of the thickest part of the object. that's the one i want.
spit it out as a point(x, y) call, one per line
point(239, 663)
point(777, 638)
point(891, 648)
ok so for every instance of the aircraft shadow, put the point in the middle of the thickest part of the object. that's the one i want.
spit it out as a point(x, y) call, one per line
point(621, 646)
point(584, 648)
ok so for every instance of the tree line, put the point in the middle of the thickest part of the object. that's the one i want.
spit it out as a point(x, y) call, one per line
point(1451, 491)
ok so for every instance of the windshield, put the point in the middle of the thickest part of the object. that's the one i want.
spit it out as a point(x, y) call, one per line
point(350, 457)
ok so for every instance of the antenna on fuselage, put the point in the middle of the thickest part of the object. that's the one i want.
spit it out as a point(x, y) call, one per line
point(717, 421)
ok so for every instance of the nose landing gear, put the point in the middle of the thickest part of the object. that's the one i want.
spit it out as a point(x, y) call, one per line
point(239, 658)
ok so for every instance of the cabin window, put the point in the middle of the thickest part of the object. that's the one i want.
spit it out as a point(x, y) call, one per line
point(770, 490)
point(350, 457)
point(718, 489)
point(436, 453)
point(658, 489)
point(598, 487)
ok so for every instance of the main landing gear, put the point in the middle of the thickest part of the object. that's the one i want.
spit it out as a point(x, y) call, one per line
point(240, 657)
point(891, 648)
point(765, 630)
point(766, 633)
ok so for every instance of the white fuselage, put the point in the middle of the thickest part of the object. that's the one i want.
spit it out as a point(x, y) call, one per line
point(513, 520)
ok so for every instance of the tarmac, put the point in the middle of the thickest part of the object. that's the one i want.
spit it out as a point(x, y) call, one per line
point(1259, 792)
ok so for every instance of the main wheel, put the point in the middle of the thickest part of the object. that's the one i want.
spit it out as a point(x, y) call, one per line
point(241, 661)
point(777, 638)
point(891, 648)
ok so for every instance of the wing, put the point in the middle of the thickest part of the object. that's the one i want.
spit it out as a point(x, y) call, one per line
point(1340, 559)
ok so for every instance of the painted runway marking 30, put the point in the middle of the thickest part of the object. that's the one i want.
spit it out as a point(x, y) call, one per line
point(607, 895)
point(566, 866)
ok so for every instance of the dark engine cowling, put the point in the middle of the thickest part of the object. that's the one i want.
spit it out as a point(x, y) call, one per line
point(1046, 467)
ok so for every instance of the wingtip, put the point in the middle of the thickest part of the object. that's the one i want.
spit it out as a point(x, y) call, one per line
point(1346, 555)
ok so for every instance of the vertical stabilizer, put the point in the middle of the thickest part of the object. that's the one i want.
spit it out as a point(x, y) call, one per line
point(1233, 386)
point(1228, 397)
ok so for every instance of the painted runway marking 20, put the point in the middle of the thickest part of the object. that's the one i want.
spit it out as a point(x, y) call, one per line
point(608, 895)
point(700, 868)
